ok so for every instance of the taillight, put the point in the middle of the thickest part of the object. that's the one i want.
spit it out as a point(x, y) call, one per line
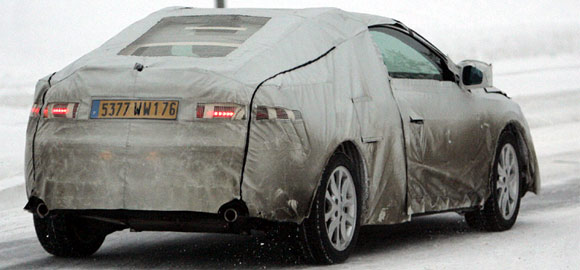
point(35, 111)
point(271, 113)
point(220, 111)
point(61, 110)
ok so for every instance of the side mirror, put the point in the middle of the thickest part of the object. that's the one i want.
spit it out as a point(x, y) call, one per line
point(475, 74)
point(471, 76)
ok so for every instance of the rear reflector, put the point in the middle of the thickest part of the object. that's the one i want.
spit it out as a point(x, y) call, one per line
point(270, 113)
point(220, 111)
point(61, 110)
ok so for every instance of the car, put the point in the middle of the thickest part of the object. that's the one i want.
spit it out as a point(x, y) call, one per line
point(306, 123)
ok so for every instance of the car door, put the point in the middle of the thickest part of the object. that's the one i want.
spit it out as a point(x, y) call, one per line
point(442, 124)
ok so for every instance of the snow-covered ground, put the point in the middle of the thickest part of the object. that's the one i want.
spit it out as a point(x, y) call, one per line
point(536, 60)
point(546, 235)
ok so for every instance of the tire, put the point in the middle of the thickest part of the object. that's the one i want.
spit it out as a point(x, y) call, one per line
point(328, 210)
point(501, 209)
point(64, 236)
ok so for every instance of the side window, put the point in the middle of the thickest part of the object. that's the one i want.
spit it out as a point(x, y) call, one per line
point(406, 57)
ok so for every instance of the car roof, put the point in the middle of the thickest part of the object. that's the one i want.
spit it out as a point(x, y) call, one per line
point(368, 19)
point(290, 38)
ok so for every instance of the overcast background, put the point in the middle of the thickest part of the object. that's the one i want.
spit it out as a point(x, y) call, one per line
point(38, 37)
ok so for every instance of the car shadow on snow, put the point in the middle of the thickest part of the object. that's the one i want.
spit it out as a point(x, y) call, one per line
point(382, 239)
point(211, 251)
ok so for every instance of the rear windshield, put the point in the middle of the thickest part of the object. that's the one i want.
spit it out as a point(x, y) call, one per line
point(196, 36)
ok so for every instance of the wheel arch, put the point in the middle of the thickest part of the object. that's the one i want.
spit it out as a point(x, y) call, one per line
point(352, 151)
point(519, 131)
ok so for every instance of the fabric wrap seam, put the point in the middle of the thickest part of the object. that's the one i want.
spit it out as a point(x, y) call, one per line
point(247, 146)
point(36, 130)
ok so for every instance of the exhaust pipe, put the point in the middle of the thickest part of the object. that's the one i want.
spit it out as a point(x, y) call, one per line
point(42, 210)
point(233, 212)
point(231, 215)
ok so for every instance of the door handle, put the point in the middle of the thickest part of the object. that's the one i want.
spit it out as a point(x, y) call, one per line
point(416, 120)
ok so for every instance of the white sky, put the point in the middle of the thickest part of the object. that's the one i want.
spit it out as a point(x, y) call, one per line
point(39, 36)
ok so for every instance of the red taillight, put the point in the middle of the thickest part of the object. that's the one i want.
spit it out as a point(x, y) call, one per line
point(61, 110)
point(35, 111)
point(221, 111)
point(223, 114)
point(282, 113)
point(224, 111)
point(270, 113)
point(200, 111)
point(262, 113)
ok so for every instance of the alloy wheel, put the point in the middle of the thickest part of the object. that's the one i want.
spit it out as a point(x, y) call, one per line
point(340, 208)
point(507, 185)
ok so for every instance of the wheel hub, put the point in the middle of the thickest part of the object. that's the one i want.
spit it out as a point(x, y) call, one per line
point(340, 208)
point(507, 185)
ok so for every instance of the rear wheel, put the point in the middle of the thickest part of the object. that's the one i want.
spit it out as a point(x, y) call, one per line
point(501, 209)
point(330, 233)
point(64, 236)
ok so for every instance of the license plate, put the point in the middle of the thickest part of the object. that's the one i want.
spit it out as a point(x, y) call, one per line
point(135, 109)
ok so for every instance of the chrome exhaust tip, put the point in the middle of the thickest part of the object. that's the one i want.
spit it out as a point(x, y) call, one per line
point(42, 210)
point(231, 215)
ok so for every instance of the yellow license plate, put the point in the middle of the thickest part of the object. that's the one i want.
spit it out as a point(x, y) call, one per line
point(135, 109)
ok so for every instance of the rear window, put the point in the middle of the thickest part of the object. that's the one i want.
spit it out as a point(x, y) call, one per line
point(196, 36)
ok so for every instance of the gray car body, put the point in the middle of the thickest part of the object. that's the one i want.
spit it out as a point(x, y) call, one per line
point(421, 145)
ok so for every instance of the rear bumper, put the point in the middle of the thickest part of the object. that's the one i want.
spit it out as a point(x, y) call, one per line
point(136, 165)
point(178, 221)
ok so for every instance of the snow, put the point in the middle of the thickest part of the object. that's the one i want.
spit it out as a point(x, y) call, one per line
point(13, 120)
point(452, 246)
point(536, 60)
point(518, 76)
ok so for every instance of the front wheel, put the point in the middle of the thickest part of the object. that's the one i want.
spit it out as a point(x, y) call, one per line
point(501, 209)
point(330, 233)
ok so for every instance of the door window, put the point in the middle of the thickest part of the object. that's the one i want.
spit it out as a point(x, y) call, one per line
point(406, 57)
